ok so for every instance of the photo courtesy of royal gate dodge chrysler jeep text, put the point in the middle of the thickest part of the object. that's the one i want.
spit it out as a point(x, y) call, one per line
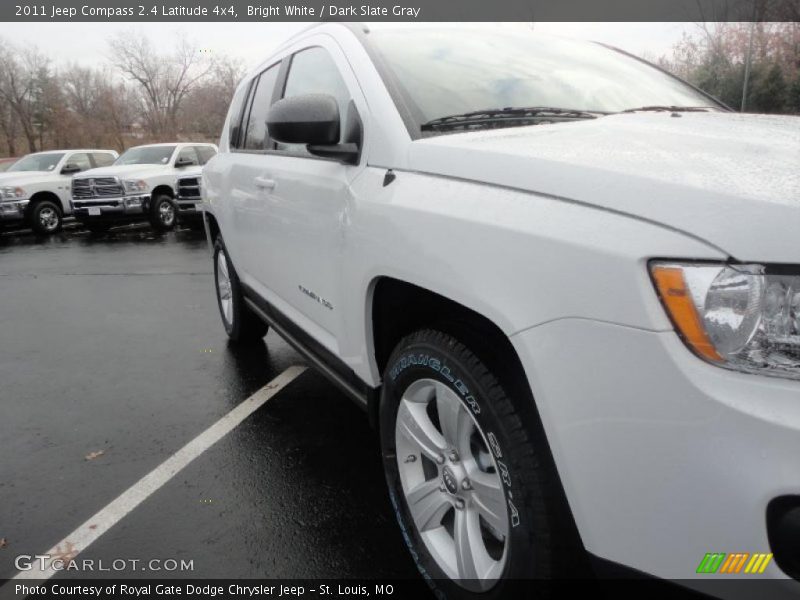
point(564, 284)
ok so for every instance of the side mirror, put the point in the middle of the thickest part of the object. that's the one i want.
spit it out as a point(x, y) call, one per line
point(306, 119)
point(184, 162)
point(313, 120)
point(70, 168)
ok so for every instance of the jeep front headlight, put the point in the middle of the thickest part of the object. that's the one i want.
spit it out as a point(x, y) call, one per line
point(12, 193)
point(742, 317)
point(134, 185)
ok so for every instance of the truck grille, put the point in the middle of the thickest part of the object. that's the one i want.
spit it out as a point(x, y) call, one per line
point(189, 188)
point(96, 187)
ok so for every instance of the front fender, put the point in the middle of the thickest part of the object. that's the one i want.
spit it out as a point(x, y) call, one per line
point(516, 258)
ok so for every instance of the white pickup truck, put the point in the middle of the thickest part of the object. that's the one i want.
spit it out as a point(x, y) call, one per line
point(189, 197)
point(139, 186)
point(35, 190)
point(564, 284)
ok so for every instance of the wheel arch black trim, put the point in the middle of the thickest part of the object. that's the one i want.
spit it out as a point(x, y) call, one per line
point(163, 189)
point(46, 195)
point(489, 343)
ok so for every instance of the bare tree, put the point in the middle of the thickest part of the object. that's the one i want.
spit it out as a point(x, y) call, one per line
point(52, 119)
point(8, 125)
point(163, 80)
point(180, 92)
point(23, 76)
point(104, 108)
point(205, 107)
point(119, 111)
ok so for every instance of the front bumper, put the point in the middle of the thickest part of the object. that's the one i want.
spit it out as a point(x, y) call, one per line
point(13, 210)
point(190, 209)
point(663, 457)
point(121, 208)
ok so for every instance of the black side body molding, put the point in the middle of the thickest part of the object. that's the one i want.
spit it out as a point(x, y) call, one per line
point(319, 356)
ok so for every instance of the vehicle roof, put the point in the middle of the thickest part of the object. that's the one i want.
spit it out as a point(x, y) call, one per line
point(174, 144)
point(71, 150)
point(322, 25)
point(363, 28)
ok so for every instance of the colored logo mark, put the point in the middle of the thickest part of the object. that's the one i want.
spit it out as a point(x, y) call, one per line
point(734, 564)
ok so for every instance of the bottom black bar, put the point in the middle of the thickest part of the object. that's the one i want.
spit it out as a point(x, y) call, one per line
point(617, 589)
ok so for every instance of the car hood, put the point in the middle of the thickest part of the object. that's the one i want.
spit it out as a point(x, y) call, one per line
point(127, 171)
point(732, 180)
point(22, 178)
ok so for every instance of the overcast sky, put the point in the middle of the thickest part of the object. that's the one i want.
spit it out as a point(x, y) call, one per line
point(86, 43)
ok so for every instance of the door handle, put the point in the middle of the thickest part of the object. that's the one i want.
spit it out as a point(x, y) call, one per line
point(264, 183)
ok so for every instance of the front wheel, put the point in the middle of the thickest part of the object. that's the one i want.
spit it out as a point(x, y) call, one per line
point(46, 218)
point(241, 324)
point(467, 486)
point(163, 214)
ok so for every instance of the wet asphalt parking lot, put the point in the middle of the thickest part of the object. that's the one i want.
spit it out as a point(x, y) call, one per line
point(112, 358)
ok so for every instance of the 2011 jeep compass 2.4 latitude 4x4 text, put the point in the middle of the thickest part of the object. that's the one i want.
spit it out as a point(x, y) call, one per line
point(564, 284)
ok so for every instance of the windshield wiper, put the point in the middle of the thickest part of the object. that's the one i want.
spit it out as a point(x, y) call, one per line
point(507, 117)
point(659, 108)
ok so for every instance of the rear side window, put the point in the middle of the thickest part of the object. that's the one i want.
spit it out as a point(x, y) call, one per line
point(256, 137)
point(205, 153)
point(313, 72)
point(235, 123)
point(81, 160)
point(102, 159)
point(189, 154)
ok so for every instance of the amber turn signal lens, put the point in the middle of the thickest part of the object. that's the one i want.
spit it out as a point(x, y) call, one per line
point(677, 299)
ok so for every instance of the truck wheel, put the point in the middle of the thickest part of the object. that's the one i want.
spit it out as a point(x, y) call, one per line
point(46, 218)
point(467, 485)
point(241, 324)
point(163, 213)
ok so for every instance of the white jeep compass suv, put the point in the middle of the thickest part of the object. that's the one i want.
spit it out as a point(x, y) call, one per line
point(564, 284)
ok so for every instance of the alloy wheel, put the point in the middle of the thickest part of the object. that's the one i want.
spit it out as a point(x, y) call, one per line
point(48, 218)
point(166, 213)
point(452, 485)
point(224, 289)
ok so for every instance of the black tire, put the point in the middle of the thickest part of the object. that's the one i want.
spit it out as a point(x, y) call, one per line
point(46, 218)
point(163, 213)
point(531, 545)
point(243, 326)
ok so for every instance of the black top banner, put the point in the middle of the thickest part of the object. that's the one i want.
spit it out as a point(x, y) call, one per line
point(401, 10)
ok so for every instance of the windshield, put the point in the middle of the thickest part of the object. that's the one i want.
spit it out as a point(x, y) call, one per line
point(146, 155)
point(445, 72)
point(37, 162)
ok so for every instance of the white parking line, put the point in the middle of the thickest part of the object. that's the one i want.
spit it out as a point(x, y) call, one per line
point(106, 518)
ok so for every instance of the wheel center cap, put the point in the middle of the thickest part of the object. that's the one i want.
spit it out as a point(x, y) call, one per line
point(449, 480)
